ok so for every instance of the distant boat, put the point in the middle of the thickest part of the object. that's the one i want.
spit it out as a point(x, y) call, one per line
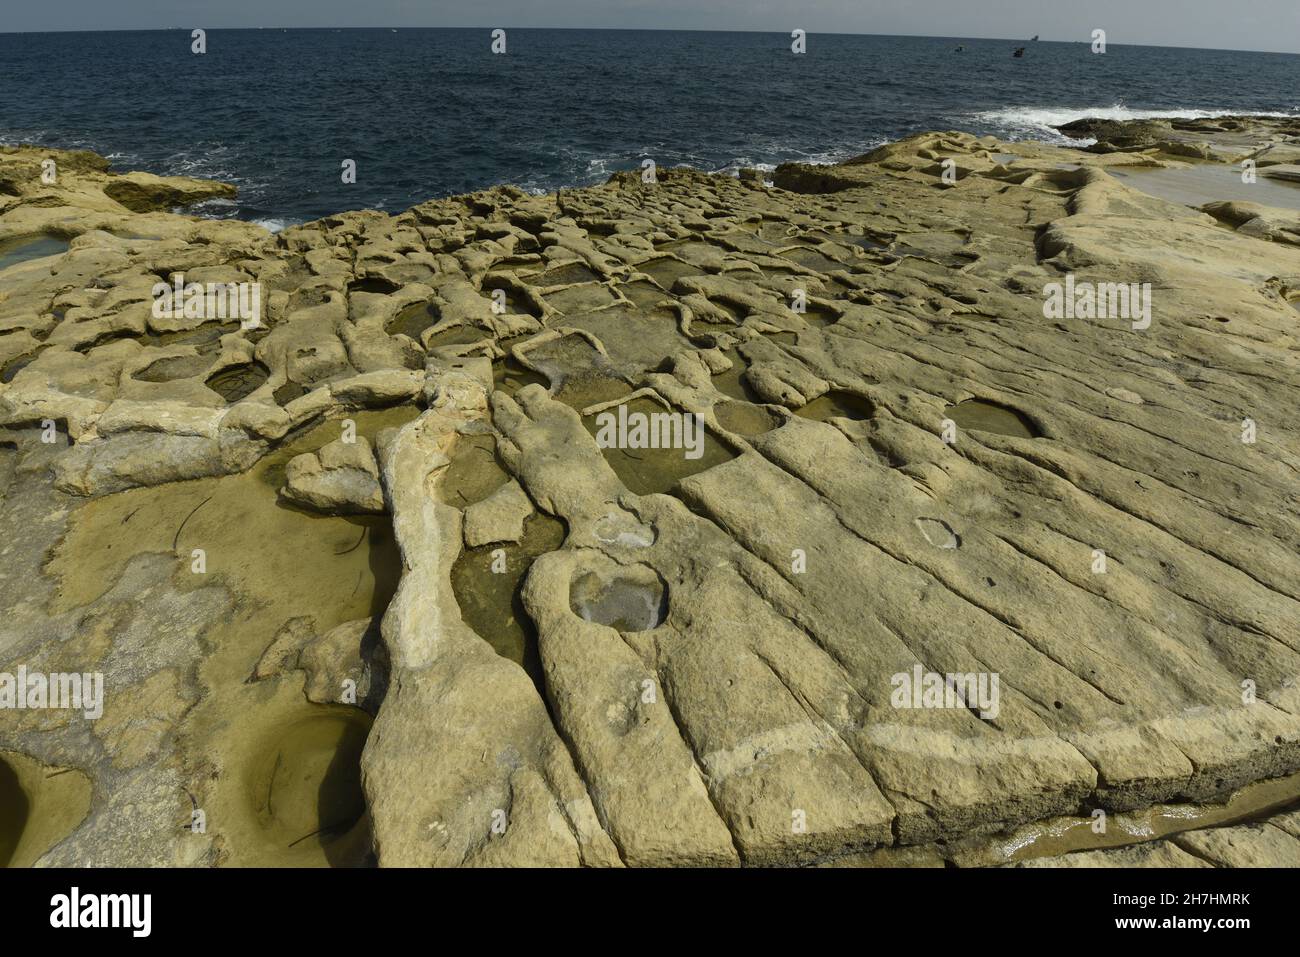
point(959, 49)
point(1020, 51)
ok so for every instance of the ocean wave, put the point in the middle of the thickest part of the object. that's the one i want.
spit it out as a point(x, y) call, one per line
point(216, 202)
point(276, 224)
point(735, 166)
point(1039, 119)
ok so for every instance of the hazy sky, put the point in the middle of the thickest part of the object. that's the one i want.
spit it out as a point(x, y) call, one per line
point(1244, 24)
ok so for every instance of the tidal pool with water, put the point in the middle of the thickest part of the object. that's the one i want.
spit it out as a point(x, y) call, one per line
point(39, 806)
point(26, 249)
point(982, 416)
point(645, 470)
point(489, 599)
point(278, 563)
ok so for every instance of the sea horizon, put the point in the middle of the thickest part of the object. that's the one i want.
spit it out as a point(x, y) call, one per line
point(430, 112)
point(606, 29)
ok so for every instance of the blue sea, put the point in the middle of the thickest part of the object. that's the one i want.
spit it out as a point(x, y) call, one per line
point(433, 112)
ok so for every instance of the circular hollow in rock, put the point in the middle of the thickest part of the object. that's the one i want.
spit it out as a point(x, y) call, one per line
point(631, 598)
point(238, 382)
point(744, 418)
point(987, 416)
point(306, 779)
point(837, 405)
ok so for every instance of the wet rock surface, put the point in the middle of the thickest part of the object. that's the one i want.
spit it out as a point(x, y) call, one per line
point(588, 652)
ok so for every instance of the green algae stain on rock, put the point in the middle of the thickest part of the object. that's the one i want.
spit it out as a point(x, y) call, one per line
point(981, 415)
point(486, 581)
point(206, 338)
point(369, 423)
point(819, 316)
point(376, 541)
point(643, 294)
point(812, 259)
point(288, 392)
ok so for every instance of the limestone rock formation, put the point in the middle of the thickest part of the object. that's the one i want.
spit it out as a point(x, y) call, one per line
point(498, 518)
point(346, 665)
point(342, 477)
point(1274, 842)
point(975, 509)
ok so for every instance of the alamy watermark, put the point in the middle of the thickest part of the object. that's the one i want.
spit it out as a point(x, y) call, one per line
point(212, 300)
point(651, 430)
point(975, 691)
point(1103, 300)
point(133, 912)
point(57, 690)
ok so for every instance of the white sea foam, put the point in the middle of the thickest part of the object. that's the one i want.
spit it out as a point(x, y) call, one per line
point(276, 224)
point(1041, 121)
point(733, 168)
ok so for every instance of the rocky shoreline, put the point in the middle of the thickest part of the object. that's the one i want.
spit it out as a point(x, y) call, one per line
point(364, 587)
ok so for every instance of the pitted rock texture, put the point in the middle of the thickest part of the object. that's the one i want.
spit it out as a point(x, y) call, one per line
point(1125, 560)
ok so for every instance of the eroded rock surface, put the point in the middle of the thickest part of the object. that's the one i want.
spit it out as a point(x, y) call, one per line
point(1274, 842)
point(909, 466)
point(341, 478)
